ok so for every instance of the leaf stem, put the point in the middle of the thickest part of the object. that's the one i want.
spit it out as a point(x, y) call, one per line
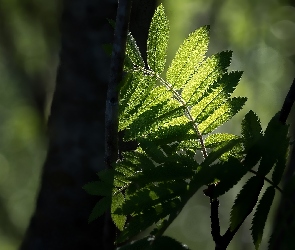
point(267, 180)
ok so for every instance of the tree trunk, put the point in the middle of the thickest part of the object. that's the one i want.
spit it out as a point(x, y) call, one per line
point(76, 132)
point(76, 127)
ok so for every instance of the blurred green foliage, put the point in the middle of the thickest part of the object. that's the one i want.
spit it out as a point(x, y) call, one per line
point(261, 34)
point(28, 55)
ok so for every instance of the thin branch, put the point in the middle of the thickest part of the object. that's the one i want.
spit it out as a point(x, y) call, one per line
point(229, 234)
point(267, 180)
point(288, 103)
point(215, 227)
point(112, 101)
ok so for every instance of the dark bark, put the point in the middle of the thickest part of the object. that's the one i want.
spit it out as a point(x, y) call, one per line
point(284, 214)
point(76, 132)
point(112, 103)
point(284, 222)
point(76, 129)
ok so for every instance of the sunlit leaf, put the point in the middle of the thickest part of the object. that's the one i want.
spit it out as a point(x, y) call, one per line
point(158, 41)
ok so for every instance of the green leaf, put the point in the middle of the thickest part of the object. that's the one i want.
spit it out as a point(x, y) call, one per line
point(206, 76)
point(176, 130)
point(154, 118)
point(275, 143)
point(158, 41)
point(260, 215)
point(164, 173)
point(245, 201)
point(150, 196)
point(98, 188)
point(118, 219)
point(251, 129)
point(215, 97)
point(133, 53)
point(140, 222)
point(280, 166)
point(107, 176)
point(222, 115)
point(230, 173)
point(103, 205)
point(136, 96)
point(214, 155)
point(188, 57)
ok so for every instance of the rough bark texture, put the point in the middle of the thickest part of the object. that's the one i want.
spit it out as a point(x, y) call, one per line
point(76, 132)
point(76, 128)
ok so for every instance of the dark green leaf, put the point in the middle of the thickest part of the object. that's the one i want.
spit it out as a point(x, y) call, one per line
point(261, 214)
point(251, 129)
point(140, 222)
point(229, 174)
point(245, 201)
point(103, 205)
point(274, 146)
point(153, 195)
point(98, 188)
